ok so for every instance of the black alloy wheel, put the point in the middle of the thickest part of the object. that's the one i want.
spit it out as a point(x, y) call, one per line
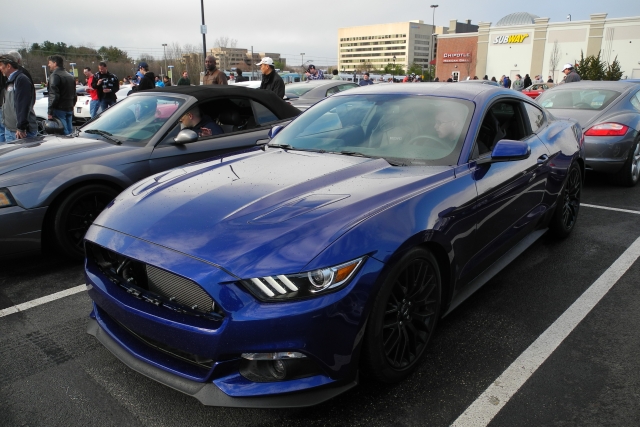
point(566, 214)
point(403, 318)
point(75, 215)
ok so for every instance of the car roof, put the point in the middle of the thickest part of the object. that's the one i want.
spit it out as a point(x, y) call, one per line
point(620, 85)
point(205, 93)
point(453, 90)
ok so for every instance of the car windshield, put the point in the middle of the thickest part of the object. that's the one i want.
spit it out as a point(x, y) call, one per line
point(405, 130)
point(299, 89)
point(136, 118)
point(577, 99)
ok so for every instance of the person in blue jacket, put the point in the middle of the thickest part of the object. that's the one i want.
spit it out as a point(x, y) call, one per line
point(365, 80)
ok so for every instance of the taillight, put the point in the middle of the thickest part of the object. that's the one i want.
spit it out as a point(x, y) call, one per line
point(607, 129)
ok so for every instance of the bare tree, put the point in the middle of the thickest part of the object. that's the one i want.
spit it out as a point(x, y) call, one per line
point(467, 66)
point(554, 59)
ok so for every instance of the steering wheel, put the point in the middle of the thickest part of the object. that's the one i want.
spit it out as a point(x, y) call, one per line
point(429, 141)
point(582, 105)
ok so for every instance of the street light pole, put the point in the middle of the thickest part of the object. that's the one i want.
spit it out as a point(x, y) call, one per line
point(203, 30)
point(170, 72)
point(393, 78)
point(433, 45)
point(302, 64)
point(164, 50)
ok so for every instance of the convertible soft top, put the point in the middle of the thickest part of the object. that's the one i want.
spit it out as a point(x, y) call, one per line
point(281, 108)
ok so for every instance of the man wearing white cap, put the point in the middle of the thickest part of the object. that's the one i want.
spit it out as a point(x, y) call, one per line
point(270, 79)
point(570, 74)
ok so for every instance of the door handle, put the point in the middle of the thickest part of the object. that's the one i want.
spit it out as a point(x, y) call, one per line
point(542, 159)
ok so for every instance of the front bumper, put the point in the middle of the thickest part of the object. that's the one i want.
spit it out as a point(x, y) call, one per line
point(20, 230)
point(327, 329)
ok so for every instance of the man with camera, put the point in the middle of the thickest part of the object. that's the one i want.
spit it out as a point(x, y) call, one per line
point(313, 74)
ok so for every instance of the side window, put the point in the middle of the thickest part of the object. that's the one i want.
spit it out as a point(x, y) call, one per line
point(344, 87)
point(332, 91)
point(536, 117)
point(502, 120)
point(635, 101)
point(263, 114)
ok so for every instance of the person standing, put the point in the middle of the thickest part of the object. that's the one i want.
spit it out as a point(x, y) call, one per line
point(366, 81)
point(166, 80)
point(94, 104)
point(314, 74)
point(213, 76)
point(270, 79)
point(62, 93)
point(3, 84)
point(18, 99)
point(506, 82)
point(147, 81)
point(527, 81)
point(518, 84)
point(240, 77)
point(107, 85)
point(570, 74)
point(335, 75)
point(549, 80)
point(184, 80)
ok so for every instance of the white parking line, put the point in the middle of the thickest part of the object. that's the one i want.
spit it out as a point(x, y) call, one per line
point(39, 301)
point(609, 209)
point(496, 396)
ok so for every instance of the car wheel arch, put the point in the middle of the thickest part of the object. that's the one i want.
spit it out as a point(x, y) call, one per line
point(48, 236)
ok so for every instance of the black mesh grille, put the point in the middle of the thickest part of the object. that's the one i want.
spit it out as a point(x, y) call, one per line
point(151, 284)
point(178, 289)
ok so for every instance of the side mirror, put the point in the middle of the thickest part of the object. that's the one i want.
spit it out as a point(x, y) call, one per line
point(274, 131)
point(185, 136)
point(507, 150)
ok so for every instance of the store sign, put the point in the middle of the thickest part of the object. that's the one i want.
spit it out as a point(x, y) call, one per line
point(516, 38)
point(457, 57)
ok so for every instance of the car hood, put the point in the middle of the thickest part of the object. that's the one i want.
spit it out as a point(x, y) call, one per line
point(258, 212)
point(26, 152)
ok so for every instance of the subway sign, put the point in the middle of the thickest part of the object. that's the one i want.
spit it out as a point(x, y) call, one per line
point(515, 38)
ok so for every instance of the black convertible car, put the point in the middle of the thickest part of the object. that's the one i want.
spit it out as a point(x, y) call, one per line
point(52, 188)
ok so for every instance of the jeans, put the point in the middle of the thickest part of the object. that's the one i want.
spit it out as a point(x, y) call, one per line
point(11, 136)
point(66, 117)
point(2, 138)
point(94, 107)
point(106, 103)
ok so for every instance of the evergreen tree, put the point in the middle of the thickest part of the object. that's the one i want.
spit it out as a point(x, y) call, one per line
point(613, 71)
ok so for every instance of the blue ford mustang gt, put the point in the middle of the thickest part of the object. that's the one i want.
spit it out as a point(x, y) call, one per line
point(275, 277)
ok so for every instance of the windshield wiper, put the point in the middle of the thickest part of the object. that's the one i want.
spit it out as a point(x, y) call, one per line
point(285, 146)
point(104, 134)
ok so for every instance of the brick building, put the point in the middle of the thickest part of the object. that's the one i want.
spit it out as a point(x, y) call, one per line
point(457, 57)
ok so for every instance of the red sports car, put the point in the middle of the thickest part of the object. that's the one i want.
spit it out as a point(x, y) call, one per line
point(535, 90)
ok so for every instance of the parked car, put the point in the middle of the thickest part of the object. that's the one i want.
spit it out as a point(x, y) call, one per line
point(274, 277)
point(42, 104)
point(51, 188)
point(482, 82)
point(305, 94)
point(82, 109)
point(609, 113)
point(536, 89)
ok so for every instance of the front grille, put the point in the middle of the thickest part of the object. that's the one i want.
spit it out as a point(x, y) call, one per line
point(153, 285)
point(178, 289)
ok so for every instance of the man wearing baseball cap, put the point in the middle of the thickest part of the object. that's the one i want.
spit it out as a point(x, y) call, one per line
point(270, 79)
point(570, 74)
point(314, 74)
point(147, 81)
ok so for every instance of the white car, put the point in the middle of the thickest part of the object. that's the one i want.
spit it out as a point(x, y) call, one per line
point(82, 109)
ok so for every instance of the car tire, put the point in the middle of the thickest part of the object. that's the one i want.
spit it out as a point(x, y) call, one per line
point(75, 214)
point(630, 173)
point(403, 317)
point(568, 204)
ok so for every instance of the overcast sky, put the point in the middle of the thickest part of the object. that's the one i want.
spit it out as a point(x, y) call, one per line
point(287, 27)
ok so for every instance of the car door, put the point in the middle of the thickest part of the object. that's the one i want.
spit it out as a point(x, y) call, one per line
point(244, 122)
point(510, 193)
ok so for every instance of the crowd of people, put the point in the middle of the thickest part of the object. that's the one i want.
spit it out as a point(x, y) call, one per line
point(17, 90)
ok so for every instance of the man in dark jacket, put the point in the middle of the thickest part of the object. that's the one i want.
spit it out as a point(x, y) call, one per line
point(19, 97)
point(270, 79)
point(570, 74)
point(62, 93)
point(148, 80)
point(107, 85)
point(239, 77)
point(184, 80)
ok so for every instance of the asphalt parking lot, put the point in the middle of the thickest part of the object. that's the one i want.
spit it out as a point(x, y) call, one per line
point(52, 373)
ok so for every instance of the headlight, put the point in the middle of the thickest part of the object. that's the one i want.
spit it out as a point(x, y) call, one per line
point(6, 199)
point(303, 285)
